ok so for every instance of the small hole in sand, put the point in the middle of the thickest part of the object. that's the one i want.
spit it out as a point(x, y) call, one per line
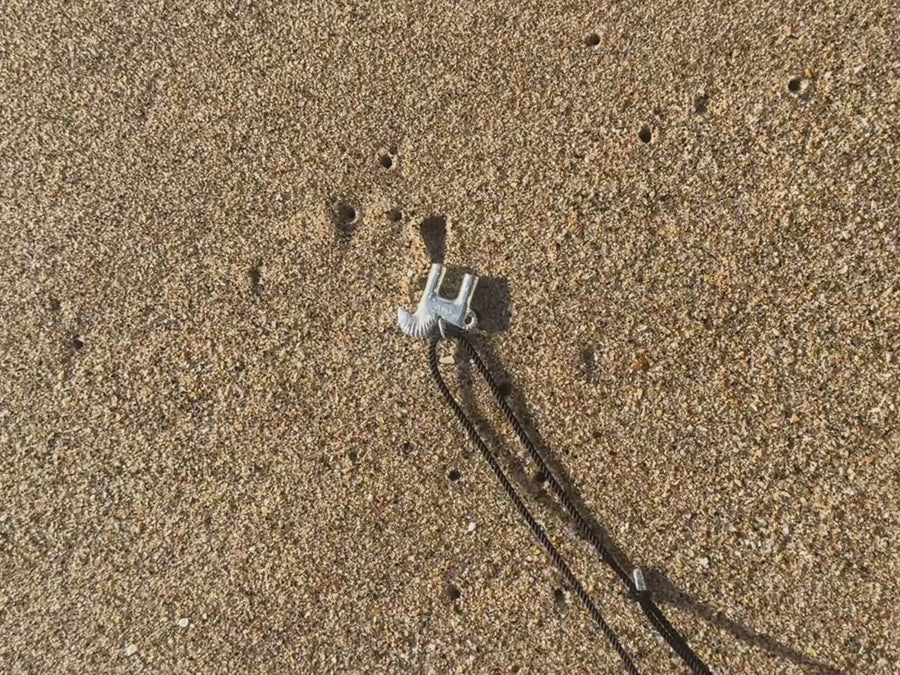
point(559, 595)
point(592, 40)
point(645, 135)
point(395, 215)
point(345, 218)
point(434, 233)
point(505, 388)
point(454, 475)
point(77, 342)
point(256, 279)
point(55, 305)
point(540, 477)
point(386, 161)
point(795, 85)
point(453, 592)
point(701, 105)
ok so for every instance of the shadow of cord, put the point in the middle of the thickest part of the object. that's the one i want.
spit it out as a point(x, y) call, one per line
point(660, 585)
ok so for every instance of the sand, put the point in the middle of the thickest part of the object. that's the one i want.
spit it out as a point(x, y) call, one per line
point(219, 454)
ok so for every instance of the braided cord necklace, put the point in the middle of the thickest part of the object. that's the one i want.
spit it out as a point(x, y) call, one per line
point(444, 319)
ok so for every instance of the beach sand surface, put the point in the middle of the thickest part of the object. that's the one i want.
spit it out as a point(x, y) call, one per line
point(218, 454)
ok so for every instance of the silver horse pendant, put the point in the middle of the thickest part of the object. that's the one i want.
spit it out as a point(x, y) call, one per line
point(433, 307)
